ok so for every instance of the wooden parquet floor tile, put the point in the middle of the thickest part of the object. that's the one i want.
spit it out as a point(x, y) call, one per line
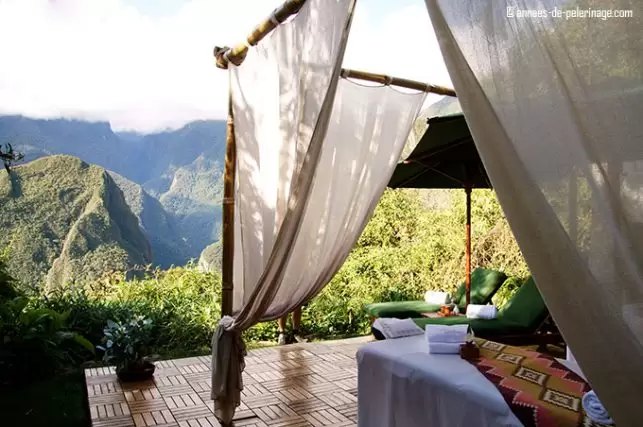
point(299, 385)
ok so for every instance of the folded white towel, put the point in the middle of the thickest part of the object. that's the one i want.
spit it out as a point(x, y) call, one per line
point(444, 347)
point(432, 297)
point(439, 347)
point(595, 410)
point(446, 333)
point(397, 328)
point(478, 311)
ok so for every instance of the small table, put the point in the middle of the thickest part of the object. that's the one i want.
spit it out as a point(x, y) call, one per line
point(437, 315)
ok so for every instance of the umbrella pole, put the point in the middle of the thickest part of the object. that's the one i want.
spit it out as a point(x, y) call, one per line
point(227, 233)
point(468, 244)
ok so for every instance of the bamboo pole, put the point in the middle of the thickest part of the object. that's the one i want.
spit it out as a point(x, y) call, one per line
point(224, 55)
point(397, 81)
point(237, 54)
point(227, 234)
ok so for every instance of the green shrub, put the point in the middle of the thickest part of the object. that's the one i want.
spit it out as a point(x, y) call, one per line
point(35, 342)
point(182, 302)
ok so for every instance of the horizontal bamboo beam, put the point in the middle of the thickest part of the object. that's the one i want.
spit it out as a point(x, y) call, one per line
point(237, 54)
point(396, 81)
point(224, 55)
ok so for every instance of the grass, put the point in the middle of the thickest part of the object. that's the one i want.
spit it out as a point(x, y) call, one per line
point(56, 402)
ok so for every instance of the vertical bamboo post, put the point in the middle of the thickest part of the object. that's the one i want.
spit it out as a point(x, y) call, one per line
point(227, 234)
point(467, 191)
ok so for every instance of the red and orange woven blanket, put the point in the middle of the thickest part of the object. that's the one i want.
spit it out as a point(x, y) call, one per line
point(540, 391)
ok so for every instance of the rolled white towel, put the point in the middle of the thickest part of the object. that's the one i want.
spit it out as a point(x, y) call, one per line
point(397, 328)
point(479, 311)
point(446, 333)
point(595, 409)
point(432, 297)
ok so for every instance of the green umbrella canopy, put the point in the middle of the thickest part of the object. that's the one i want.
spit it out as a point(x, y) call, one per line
point(446, 157)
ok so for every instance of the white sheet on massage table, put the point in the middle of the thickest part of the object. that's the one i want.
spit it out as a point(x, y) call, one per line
point(401, 385)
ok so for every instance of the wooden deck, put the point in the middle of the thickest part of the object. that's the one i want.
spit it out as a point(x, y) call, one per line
point(313, 384)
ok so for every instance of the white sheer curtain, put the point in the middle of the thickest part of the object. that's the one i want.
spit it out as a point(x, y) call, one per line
point(554, 104)
point(314, 154)
point(282, 98)
point(366, 133)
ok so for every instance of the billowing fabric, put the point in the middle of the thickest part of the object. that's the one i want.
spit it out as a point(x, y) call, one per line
point(314, 155)
point(554, 106)
point(282, 98)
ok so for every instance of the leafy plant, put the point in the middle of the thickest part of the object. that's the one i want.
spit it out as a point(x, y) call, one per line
point(126, 344)
point(36, 342)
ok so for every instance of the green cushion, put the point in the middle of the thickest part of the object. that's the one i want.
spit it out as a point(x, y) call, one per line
point(479, 326)
point(401, 309)
point(451, 320)
point(521, 314)
point(483, 328)
point(526, 308)
point(484, 284)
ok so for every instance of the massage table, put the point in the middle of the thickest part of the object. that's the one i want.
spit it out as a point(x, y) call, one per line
point(401, 385)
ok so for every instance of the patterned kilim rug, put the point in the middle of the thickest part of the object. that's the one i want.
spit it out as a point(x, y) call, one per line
point(540, 391)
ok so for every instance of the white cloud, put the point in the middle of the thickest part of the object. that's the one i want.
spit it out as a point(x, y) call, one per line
point(105, 60)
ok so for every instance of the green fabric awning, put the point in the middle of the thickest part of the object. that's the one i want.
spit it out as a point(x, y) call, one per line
point(445, 157)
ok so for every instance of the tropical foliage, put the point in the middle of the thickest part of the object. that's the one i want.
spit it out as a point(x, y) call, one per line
point(35, 342)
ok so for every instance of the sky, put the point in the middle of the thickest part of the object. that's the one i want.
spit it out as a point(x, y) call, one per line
point(147, 65)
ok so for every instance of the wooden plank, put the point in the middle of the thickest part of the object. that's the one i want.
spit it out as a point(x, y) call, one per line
point(300, 385)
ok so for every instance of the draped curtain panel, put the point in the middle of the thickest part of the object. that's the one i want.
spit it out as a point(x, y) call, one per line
point(314, 155)
point(367, 130)
point(554, 104)
point(280, 122)
point(282, 99)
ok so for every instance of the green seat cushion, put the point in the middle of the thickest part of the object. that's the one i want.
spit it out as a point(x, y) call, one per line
point(401, 309)
point(481, 327)
point(521, 314)
point(451, 320)
point(526, 308)
point(485, 328)
point(484, 284)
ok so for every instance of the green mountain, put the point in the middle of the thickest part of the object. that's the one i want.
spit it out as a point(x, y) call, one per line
point(160, 228)
point(64, 220)
point(181, 169)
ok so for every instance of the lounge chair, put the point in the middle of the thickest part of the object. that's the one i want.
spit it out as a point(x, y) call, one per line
point(523, 320)
point(484, 284)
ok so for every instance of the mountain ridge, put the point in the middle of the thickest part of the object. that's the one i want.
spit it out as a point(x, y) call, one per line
point(181, 169)
point(65, 221)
